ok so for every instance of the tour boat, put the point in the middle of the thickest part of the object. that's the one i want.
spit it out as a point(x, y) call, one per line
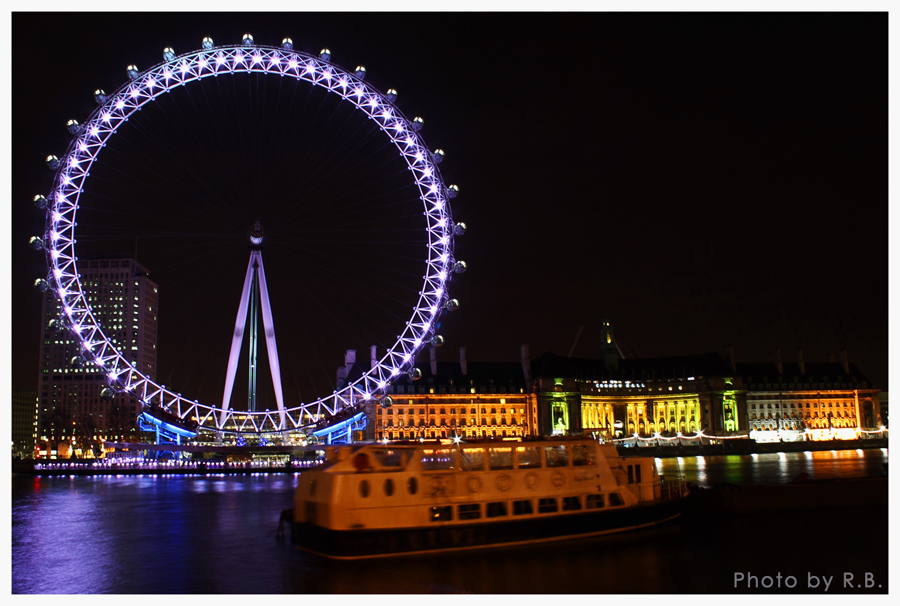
point(373, 500)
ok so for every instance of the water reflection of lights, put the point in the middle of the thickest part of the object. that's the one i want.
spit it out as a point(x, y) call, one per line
point(776, 467)
point(783, 466)
point(702, 477)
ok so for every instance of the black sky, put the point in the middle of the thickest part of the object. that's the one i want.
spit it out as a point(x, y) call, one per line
point(702, 180)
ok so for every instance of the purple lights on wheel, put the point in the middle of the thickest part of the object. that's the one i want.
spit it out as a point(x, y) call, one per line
point(141, 87)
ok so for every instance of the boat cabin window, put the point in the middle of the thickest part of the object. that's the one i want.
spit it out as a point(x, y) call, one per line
point(583, 454)
point(593, 501)
point(528, 457)
point(496, 510)
point(571, 504)
point(470, 511)
point(557, 456)
point(390, 457)
point(501, 458)
point(472, 459)
point(548, 505)
point(634, 474)
point(522, 508)
point(437, 459)
point(442, 514)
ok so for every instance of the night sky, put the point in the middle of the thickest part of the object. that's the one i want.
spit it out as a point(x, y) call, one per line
point(701, 180)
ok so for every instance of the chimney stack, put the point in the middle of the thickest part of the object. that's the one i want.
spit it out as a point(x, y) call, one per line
point(344, 371)
point(526, 362)
point(845, 361)
point(373, 357)
point(434, 361)
point(729, 356)
point(776, 357)
point(462, 361)
point(800, 362)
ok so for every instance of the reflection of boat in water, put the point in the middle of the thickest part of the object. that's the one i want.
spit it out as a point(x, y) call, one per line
point(380, 499)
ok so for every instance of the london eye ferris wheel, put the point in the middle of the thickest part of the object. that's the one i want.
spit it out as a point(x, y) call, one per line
point(372, 111)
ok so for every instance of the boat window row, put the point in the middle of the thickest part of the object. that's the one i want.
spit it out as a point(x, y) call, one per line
point(499, 458)
point(524, 507)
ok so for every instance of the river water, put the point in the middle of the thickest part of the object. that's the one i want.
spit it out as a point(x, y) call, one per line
point(217, 535)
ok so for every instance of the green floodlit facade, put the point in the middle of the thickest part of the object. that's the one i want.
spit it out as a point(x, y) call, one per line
point(618, 398)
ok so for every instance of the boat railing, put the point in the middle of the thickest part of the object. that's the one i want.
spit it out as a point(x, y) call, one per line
point(672, 488)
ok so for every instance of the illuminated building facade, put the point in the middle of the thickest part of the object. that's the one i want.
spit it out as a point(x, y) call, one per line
point(74, 412)
point(466, 400)
point(821, 400)
point(644, 397)
point(705, 396)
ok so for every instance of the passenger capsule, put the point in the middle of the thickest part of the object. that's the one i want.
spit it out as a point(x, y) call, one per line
point(391, 95)
point(168, 53)
point(361, 72)
point(459, 229)
point(73, 127)
point(133, 72)
point(325, 54)
point(41, 284)
point(207, 43)
point(438, 156)
point(52, 162)
point(437, 341)
point(287, 44)
point(107, 394)
point(41, 202)
point(247, 40)
point(452, 191)
point(36, 243)
point(53, 325)
point(460, 267)
point(451, 305)
point(386, 401)
point(100, 96)
point(418, 123)
point(77, 362)
point(415, 374)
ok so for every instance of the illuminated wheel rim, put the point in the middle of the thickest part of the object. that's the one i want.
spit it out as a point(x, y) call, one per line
point(175, 71)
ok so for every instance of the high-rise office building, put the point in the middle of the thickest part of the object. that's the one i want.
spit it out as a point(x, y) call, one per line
point(73, 417)
point(24, 422)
